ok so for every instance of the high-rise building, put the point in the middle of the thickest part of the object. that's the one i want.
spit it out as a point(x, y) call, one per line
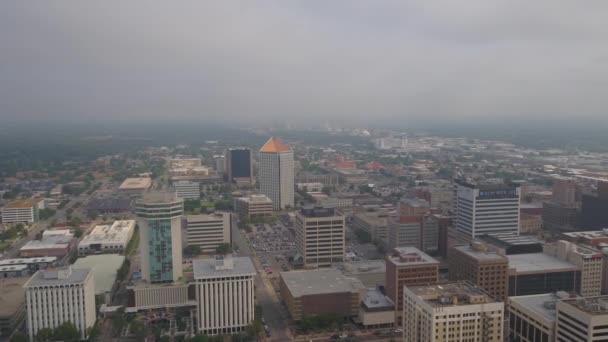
point(414, 226)
point(239, 166)
point(225, 294)
point(320, 236)
point(53, 297)
point(593, 212)
point(590, 261)
point(187, 190)
point(485, 208)
point(219, 164)
point(452, 312)
point(208, 231)
point(159, 218)
point(564, 191)
point(276, 174)
point(488, 270)
point(407, 266)
point(582, 319)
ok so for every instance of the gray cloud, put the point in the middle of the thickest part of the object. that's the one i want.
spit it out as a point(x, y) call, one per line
point(301, 60)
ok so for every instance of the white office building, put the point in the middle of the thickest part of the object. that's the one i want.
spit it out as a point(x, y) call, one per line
point(54, 297)
point(108, 238)
point(225, 294)
point(276, 173)
point(22, 211)
point(320, 236)
point(208, 231)
point(485, 208)
point(582, 319)
point(187, 190)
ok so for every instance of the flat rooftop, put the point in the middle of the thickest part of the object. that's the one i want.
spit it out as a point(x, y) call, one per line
point(203, 217)
point(510, 239)
point(158, 197)
point(256, 199)
point(439, 295)
point(59, 276)
point(415, 202)
point(118, 232)
point(136, 184)
point(541, 304)
point(363, 267)
point(38, 244)
point(12, 268)
point(375, 299)
point(22, 204)
point(533, 263)
point(594, 234)
point(27, 261)
point(314, 282)
point(373, 217)
point(590, 305)
point(317, 211)
point(104, 267)
point(12, 295)
point(411, 256)
point(483, 255)
point(218, 267)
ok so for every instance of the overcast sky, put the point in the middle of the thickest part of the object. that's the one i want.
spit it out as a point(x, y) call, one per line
point(304, 60)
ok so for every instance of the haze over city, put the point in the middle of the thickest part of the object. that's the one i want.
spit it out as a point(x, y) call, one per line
point(368, 62)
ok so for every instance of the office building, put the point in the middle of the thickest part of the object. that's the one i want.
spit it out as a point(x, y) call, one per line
point(32, 264)
point(108, 238)
point(485, 208)
point(564, 191)
point(320, 236)
point(276, 173)
point(414, 227)
point(510, 243)
point(314, 292)
point(373, 223)
point(219, 164)
point(208, 231)
point(239, 165)
point(559, 217)
point(225, 294)
point(183, 162)
point(537, 273)
point(532, 318)
point(593, 212)
point(54, 297)
point(474, 263)
point(54, 243)
point(159, 219)
point(452, 312)
point(12, 310)
point(589, 261)
point(253, 206)
point(22, 211)
point(582, 319)
point(187, 190)
point(135, 186)
point(376, 309)
point(594, 238)
point(407, 266)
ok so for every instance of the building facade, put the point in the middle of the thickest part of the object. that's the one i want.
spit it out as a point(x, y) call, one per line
point(112, 238)
point(452, 312)
point(54, 297)
point(320, 236)
point(159, 218)
point(253, 206)
point(582, 319)
point(225, 294)
point(21, 211)
point(276, 173)
point(485, 208)
point(208, 231)
point(187, 190)
point(239, 165)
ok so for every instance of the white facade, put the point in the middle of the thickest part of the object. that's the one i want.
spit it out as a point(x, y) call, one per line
point(483, 210)
point(225, 294)
point(22, 211)
point(187, 190)
point(276, 178)
point(208, 231)
point(582, 319)
point(54, 297)
point(320, 236)
point(108, 238)
point(452, 312)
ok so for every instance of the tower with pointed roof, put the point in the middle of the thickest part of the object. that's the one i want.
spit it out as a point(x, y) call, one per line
point(276, 175)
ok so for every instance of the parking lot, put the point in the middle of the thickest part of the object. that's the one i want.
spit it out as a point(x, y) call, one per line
point(273, 244)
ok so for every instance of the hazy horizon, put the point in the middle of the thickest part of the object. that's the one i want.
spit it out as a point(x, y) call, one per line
point(352, 62)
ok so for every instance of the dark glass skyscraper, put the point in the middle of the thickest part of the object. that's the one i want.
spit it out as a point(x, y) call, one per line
point(238, 164)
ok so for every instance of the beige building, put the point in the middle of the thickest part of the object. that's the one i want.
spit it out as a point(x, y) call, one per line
point(135, 186)
point(376, 309)
point(276, 173)
point(208, 231)
point(253, 206)
point(588, 260)
point(374, 223)
point(458, 312)
point(532, 318)
point(12, 297)
point(320, 236)
point(407, 266)
point(22, 211)
point(582, 319)
point(474, 263)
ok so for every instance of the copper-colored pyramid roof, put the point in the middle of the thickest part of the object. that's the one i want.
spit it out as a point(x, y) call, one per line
point(275, 145)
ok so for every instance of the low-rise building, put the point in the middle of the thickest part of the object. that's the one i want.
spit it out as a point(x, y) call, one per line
point(47, 309)
point(42, 248)
point(376, 309)
point(253, 206)
point(537, 273)
point(208, 231)
point(32, 264)
point(371, 273)
point(22, 211)
point(314, 292)
point(112, 238)
point(451, 312)
point(532, 318)
point(225, 294)
point(14, 271)
point(374, 223)
point(582, 319)
point(135, 186)
point(187, 190)
point(12, 309)
point(105, 270)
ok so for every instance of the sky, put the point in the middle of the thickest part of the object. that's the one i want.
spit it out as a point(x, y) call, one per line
point(349, 62)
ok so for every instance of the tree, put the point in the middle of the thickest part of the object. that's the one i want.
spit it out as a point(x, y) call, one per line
point(200, 338)
point(223, 205)
point(77, 233)
point(69, 211)
point(192, 205)
point(44, 334)
point(66, 332)
point(19, 227)
point(18, 337)
point(223, 248)
point(165, 339)
point(192, 250)
point(92, 214)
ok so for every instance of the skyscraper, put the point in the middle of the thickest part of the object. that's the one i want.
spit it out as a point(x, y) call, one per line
point(276, 175)
point(239, 167)
point(159, 218)
point(485, 208)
